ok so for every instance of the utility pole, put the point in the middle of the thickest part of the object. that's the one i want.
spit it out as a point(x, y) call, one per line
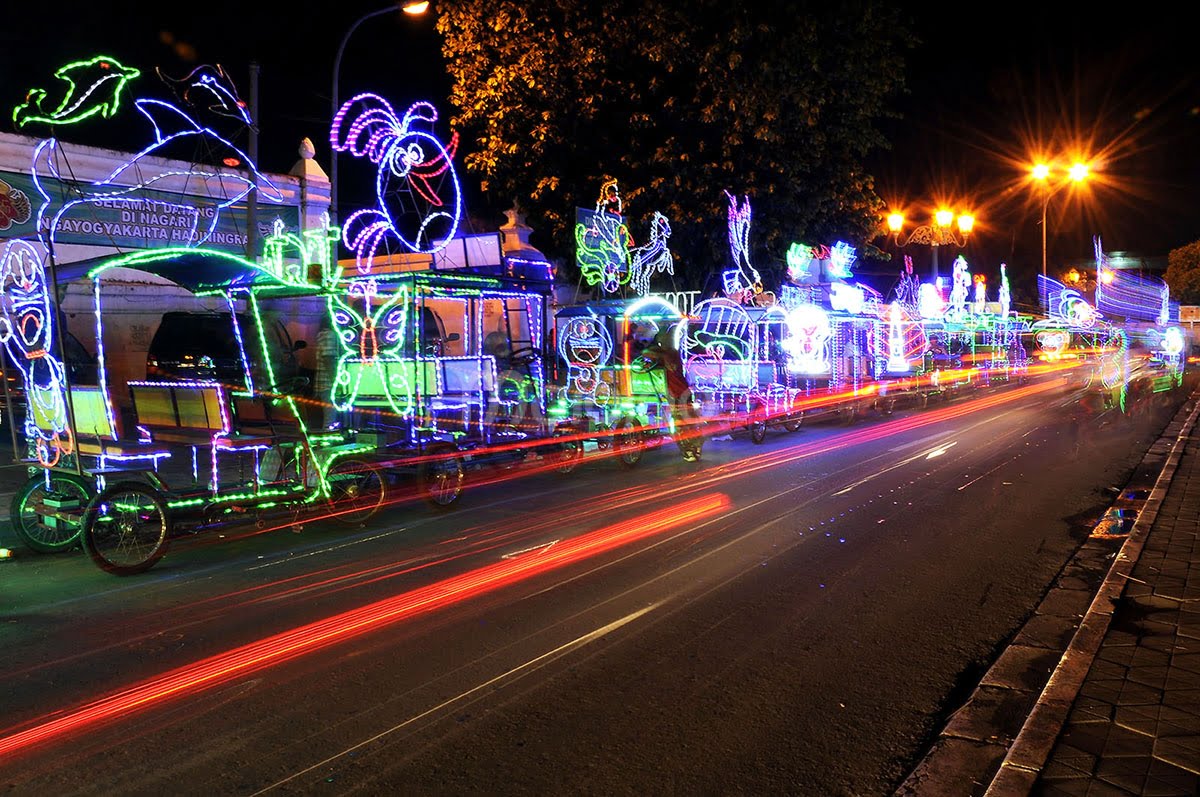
point(252, 197)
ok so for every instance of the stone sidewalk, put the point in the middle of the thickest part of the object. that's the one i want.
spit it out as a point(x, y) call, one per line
point(1134, 727)
point(1098, 693)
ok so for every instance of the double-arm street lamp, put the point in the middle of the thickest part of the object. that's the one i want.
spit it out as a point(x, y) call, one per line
point(945, 229)
point(1041, 174)
point(410, 8)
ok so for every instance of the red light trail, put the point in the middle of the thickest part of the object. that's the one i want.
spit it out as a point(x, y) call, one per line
point(207, 673)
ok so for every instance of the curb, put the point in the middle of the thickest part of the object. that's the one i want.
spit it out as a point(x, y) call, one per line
point(997, 743)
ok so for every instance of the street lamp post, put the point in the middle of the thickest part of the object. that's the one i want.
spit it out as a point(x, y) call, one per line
point(941, 232)
point(411, 8)
point(1041, 174)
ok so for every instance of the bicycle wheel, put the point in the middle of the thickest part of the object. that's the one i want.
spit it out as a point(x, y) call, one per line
point(757, 426)
point(627, 441)
point(570, 451)
point(126, 527)
point(440, 476)
point(48, 519)
point(356, 490)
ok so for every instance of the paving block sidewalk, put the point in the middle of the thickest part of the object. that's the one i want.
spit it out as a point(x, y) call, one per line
point(1134, 727)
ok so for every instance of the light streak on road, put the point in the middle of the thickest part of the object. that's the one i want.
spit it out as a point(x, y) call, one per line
point(937, 452)
point(193, 679)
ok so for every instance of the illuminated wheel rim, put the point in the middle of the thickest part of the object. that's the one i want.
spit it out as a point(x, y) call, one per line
point(34, 519)
point(356, 490)
point(792, 425)
point(126, 529)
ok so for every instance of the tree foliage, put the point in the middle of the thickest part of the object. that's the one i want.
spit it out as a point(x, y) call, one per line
point(1183, 273)
point(678, 101)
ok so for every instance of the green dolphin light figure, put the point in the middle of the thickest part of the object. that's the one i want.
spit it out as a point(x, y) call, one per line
point(93, 87)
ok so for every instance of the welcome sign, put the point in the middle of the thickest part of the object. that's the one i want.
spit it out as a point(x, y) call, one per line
point(151, 219)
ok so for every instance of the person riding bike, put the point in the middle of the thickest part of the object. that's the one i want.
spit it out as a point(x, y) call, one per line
point(662, 353)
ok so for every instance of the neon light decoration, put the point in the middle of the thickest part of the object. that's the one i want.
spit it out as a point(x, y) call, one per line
point(980, 294)
point(847, 298)
point(371, 341)
point(956, 308)
point(841, 258)
point(908, 288)
point(799, 262)
point(1053, 342)
point(418, 197)
point(1005, 295)
point(315, 247)
point(199, 217)
point(807, 340)
point(93, 87)
point(743, 279)
point(719, 347)
point(1172, 342)
point(603, 242)
point(27, 332)
point(1066, 305)
point(209, 82)
point(897, 348)
point(930, 303)
point(652, 257)
point(585, 345)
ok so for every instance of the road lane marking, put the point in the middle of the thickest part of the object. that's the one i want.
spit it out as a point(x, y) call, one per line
point(545, 546)
point(533, 664)
point(908, 460)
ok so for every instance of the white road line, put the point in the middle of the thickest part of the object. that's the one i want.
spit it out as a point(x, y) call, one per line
point(530, 665)
point(922, 455)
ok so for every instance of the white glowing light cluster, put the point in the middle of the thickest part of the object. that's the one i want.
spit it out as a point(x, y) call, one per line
point(897, 349)
point(1005, 294)
point(807, 340)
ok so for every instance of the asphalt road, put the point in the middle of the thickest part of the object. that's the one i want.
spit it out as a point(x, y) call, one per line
point(793, 618)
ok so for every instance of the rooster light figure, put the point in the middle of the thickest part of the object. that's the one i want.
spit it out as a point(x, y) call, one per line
point(419, 200)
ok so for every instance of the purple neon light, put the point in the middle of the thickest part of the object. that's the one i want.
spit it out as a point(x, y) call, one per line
point(401, 151)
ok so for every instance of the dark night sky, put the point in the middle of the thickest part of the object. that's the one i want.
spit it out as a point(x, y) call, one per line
point(987, 87)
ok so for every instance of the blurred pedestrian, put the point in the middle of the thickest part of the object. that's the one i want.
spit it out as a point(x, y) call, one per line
point(662, 353)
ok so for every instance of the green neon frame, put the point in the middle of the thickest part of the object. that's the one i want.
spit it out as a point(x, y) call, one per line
point(74, 109)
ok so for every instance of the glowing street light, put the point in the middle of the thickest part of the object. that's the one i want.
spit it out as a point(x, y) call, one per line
point(940, 232)
point(1041, 173)
point(414, 9)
